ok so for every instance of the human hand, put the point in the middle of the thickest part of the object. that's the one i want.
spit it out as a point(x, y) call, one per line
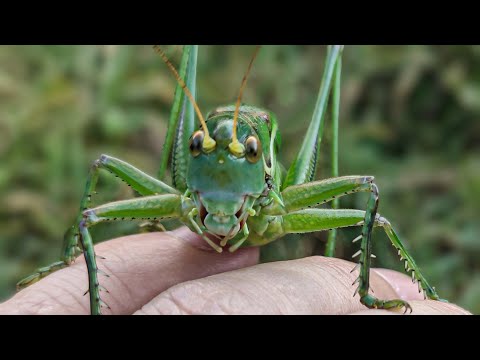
point(177, 273)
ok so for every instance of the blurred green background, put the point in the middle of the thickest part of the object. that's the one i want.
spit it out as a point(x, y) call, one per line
point(409, 116)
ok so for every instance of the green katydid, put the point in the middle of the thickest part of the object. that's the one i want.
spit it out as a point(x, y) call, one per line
point(229, 188)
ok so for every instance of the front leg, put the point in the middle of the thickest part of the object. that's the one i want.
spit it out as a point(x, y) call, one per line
point(150, 207)
point(312, 220)
point(365, 260)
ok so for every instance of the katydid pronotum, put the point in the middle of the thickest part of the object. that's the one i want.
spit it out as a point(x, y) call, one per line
point(228, 186)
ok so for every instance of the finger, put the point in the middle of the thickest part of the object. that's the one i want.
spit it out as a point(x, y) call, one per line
point(139, 267)
point(422, 307)
point(315, 285)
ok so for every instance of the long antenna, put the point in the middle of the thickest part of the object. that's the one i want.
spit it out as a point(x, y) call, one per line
point(208, 142)
point(235, 146)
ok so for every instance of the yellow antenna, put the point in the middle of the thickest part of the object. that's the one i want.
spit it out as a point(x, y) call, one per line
point(208, 142)
point(235, 146)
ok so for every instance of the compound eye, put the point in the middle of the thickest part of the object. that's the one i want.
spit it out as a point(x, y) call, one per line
point(196, 142)
point(253, 149)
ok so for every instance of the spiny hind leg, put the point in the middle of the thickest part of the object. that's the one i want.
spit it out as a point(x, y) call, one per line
point(139, 181)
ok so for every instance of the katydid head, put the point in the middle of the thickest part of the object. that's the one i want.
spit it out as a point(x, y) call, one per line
point(225, 185)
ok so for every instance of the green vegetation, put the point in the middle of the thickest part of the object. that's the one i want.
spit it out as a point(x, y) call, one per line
point(409, 116)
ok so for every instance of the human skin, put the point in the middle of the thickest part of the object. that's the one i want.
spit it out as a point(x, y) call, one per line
point(177, 273)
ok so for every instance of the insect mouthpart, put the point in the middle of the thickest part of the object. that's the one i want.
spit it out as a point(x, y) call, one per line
point(221, 221)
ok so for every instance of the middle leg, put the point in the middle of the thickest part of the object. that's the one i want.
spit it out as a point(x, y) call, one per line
point(139, 181)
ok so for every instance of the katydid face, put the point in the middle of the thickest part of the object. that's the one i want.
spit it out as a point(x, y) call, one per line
point(223, 184)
